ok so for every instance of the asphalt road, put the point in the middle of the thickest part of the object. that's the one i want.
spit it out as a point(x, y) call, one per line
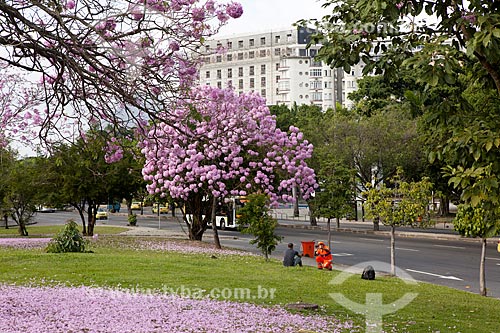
point(452, 263)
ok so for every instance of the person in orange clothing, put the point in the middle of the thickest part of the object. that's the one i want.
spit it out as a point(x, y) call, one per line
point(323, 256)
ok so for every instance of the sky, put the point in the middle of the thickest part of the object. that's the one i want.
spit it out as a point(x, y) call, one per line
point(260, 15)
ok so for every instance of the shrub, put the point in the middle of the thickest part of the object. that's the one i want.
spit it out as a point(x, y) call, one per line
point(69, 239)
point(132, 219)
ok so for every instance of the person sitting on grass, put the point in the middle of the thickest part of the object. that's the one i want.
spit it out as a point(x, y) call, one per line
point(292, 257)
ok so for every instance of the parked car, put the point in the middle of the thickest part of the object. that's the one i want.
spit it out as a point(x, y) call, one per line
point(45, 209)
point(101, 214)
point(163, 209)
point(136, 205)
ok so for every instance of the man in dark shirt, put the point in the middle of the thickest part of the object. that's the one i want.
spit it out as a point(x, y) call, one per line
point(292, 257)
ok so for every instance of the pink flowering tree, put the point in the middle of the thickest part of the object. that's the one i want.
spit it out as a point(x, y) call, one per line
point(220, 144)
point(104, 62)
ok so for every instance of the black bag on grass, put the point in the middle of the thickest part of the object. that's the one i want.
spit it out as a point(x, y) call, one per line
point(368, 273)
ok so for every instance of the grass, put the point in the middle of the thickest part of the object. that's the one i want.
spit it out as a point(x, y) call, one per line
point(51, 230)
point(117, 262)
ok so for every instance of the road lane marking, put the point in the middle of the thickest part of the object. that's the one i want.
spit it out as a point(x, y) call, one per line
point(490, 258)
point(447, 277)
point(342, 254)
point(405, 249)
point(373, 240)
point(451, 247)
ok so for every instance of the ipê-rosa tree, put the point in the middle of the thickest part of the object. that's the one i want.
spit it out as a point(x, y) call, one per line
point(219, 144)
point(104, 62)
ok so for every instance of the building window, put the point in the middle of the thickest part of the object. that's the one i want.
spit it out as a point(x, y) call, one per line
point(251, 54)
point(207, 74)
point(218, 58)
point(284, 85)
point(278, 78)
point(229, 45)
point(262, 69)
point(316, 96)
point(252, 83)
point(263, 92)
point(240, 71)
point(262, 53)
point(262, 40)
point(252, 71)
point(316, 85)
point(277, 51)
point(289, 37)
point(277, 66)
point(229, 57)
point(302, 52)
point(240, 44)
point(230, 83)
point(240, 56)
point(263, 81)
point(219, 74)
point(277, 39)
point(316, 72)
point(251, 42)
point(229, 72)
point(219, 84)
point(240, 84)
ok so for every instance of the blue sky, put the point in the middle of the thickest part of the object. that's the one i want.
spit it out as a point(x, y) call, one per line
point(259, 15)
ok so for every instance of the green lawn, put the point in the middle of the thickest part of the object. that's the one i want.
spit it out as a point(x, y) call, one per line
point(118, 262)
point(50, 230)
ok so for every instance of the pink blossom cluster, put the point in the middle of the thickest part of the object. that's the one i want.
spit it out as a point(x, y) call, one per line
point(19, 115)
point(222, 143)
point(123, 55)
point(187, 247)
point(24, 243)
point(85, 309)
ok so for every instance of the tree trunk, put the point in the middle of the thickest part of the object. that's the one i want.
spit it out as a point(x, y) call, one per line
point(338, 223)
point(329, 233)
point(172, 209)
point(482, 275)
point(295, 201)
point(6, 219)
point(313, 221)
point(91, 219)
point(82, 217)
point(393, 250)
point(376, 224)
point(22, 229)
point(214, 224)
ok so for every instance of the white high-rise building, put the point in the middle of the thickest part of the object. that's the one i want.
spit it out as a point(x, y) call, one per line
point(277, 65)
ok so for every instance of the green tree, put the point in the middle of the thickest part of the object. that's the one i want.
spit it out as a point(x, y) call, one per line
point(23, 180)
point(335, 196)
point(404, 204)
point(83, 178)
point(481, 220)
point(255, 220)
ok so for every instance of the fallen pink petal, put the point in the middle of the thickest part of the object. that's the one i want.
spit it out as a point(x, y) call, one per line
point(24, 243)
point(86, 309)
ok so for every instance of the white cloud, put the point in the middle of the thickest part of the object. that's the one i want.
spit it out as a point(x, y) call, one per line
point(260, 15)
